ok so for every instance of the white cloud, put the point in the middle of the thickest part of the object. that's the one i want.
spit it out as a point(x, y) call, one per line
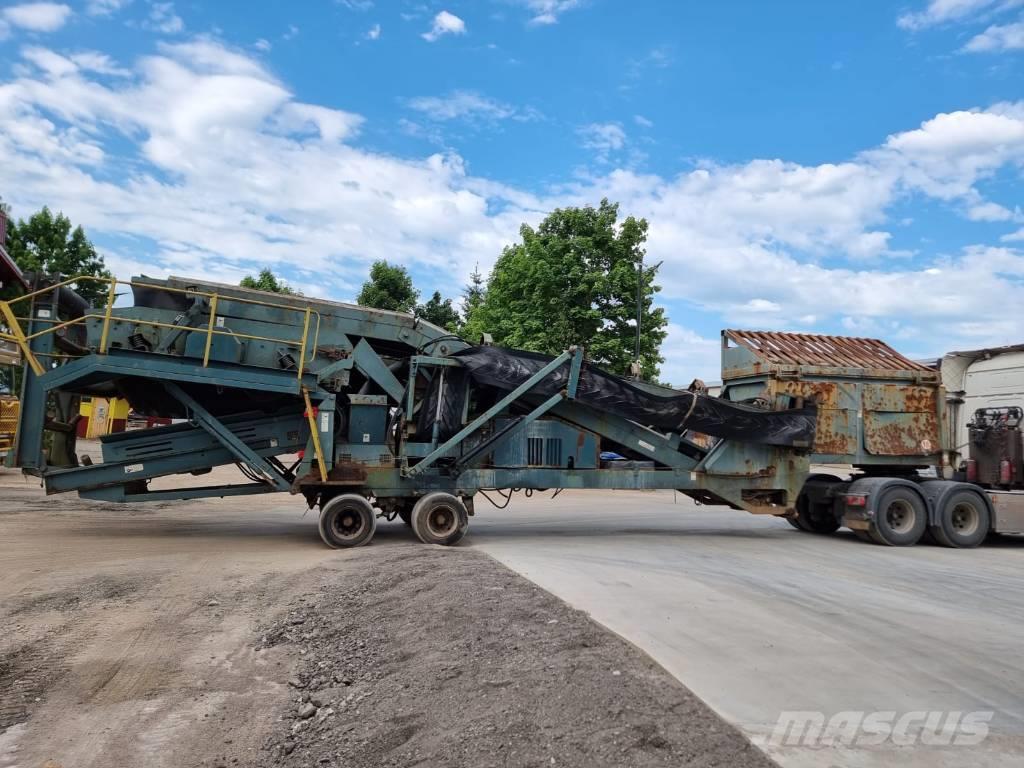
point(943, 11)
point(444, 24)
point(603, 138)
point(162, 18)
point(1007, 37)
point(689, 356)
point(37, 17)
point(468, 105)
point(546, 12)
point(262, 45)
point(373, 33)
point(105, 7)
point(204, 134)
point(989, 212)
point(642, 121)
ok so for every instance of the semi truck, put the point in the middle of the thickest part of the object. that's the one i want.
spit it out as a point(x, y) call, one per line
point(368, 414)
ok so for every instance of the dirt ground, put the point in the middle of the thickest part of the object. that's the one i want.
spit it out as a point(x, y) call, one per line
point(223, 633)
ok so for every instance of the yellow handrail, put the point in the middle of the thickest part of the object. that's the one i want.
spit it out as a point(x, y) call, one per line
point(22, 340)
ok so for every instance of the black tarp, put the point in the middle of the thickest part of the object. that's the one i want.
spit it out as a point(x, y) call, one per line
point(506, 369)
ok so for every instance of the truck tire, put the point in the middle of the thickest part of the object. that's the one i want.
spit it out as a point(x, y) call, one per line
point(900, 518)
point(347, 521)
point(440, 518)
point(807, 517)
point(964, 521)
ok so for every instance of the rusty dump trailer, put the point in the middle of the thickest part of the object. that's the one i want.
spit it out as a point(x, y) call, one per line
point(368, 414)
point(888, 418)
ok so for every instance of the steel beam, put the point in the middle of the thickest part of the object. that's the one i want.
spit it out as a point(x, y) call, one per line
point(490, 413)
point(227, 438)
point(371, 366)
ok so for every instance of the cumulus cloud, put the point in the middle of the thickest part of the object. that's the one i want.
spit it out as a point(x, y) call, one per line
point(1006, 37)
point(36, 17)
point(444, 24)
point(373, 33)
point(603, 138)
point(943, 11)
point(162, 18)
point(210, 165)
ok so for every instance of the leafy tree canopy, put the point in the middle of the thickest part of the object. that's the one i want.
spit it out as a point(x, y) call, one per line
point(440, 312)
point(267, 281)
point(48, 244)
point(574, 280)
point(389, 287)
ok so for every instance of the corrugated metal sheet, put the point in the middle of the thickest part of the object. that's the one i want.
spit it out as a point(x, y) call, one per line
point(825, 351)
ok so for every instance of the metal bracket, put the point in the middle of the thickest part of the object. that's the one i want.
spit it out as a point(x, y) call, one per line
point(19, 338)
point(371, 366)
point(498, 407)
point(227, 438)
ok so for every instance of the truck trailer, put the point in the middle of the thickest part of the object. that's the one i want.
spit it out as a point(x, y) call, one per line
point(371, 414)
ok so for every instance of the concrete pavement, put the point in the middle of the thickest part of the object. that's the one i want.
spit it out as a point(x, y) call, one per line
point(759, 619)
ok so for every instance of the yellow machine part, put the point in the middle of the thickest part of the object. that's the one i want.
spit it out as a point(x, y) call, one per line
point(9, 410)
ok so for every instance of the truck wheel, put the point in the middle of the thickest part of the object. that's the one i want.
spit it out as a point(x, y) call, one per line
point(900, 518)
point(964, 521)
point(440, 518)
point(347, 521)
point(809, 519)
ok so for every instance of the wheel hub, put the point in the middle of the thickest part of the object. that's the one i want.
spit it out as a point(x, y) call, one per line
point(900, 516)
point(965, 519)
point(347, 524)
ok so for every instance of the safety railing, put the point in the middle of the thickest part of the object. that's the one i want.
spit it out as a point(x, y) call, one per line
point(17, 335)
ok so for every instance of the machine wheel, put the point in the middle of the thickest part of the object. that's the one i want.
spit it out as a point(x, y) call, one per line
point(964, 521)
point(440, 518)
point(347, 521)
point(900, 519)
point(807, 519)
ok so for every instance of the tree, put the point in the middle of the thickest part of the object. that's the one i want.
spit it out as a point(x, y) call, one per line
point(388, 288)
point(267, 281)
point(440, 312)
point(47, 244)
point(473, 293)
point(574, 280)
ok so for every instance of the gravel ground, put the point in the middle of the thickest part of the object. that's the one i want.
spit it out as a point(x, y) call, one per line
point(179, 635)
point(445, 658)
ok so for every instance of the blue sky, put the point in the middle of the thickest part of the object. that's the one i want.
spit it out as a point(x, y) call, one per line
point(825, 167)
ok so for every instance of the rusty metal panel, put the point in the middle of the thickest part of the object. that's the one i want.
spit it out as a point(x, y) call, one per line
point(825, 351)
point(836, 432)
point(901, 420)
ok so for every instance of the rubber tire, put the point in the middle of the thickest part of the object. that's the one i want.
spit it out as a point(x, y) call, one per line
point(805, 521)
point(881, 530)
point(425, 528)
point(946, 533)
point(339, 505)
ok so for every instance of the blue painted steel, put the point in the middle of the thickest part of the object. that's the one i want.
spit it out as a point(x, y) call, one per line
point(228, 438)
point(489, 414)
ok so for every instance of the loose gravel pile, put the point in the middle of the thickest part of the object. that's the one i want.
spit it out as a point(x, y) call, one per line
point(443, 657)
